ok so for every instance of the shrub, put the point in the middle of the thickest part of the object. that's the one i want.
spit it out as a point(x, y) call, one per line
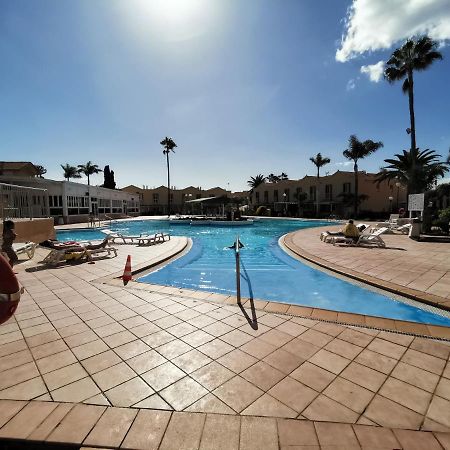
point(261, 211)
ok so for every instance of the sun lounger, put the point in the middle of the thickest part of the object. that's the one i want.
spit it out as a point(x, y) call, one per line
point(153, 239)
point(404, 228)
point(27, 247)
point(373, 238)
point(121, 238)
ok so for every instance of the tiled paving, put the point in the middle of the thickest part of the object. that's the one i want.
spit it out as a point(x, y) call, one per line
point(420, 269)
point(135, 354)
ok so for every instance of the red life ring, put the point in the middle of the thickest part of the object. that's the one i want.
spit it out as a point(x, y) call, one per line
point(9, 291)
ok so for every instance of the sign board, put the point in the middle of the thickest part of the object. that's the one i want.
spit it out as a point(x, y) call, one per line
point(416, 202)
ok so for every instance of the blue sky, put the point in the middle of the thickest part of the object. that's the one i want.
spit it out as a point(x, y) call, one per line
point(244, 87)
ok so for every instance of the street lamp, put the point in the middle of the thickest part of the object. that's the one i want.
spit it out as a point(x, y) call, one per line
point(285, 204)
point(390, 203)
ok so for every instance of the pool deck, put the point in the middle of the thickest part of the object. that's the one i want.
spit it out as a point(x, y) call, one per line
point(419, 270)
point(90, 362)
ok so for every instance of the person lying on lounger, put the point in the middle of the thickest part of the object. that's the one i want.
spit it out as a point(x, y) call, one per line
point(349, 231)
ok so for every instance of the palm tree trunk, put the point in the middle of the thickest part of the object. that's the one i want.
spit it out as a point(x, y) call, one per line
point(89, 195)
point(355, 168)
point(317, 191)
point(411, 110)
point(168, 183)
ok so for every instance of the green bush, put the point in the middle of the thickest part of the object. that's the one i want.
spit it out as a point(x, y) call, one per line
point(261, 211)
point(444, 214)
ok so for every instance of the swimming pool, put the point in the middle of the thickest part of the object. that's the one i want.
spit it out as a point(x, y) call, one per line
point(267, 272)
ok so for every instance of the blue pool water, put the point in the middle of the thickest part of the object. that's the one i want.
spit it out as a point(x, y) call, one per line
point(267, 271)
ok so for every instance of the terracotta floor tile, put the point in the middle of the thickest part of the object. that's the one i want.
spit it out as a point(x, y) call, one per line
point(292, 328)
point(415, 376)
point(56, 361)
point(111, 428)
point(153, 402)
point(64, 376)
point(405, 394)
point(444, 439)
point(158, 338)
point(90, 349)
point(343, 348)
point(181, 329)
point(50, 348)
point(396, 338)
point(131, 349)
point(284, 361)
point(144, 329)
point(220, 432)
point(80, 339)
point(197, 338)
point(201, 321)
point(363, 376)
point(333, 329)
point(313, 376)
point(173, 349)
point(146, 361)
point(218, 329)
point(329, 361)
point(439, 411)
point(183, 393)
point(276, 337)
point(41, 432)
point(237, 338)
point(296, 433)
point(183, 432)
point(129, 393)
point(416, 440)
point(147, 430)
point(238, 393)
point(163, 375)
point(76, 425)
point(212, 375)
point(215, 349)
point(267, 406)
point(316, 338)
point(355, 337)
point(376, 361)
point(336, 434)
point(114, 375)
point(387, 413)
point(443, 388)
point(101, 361)
point(9, 409)
point(271, 320)
point(433, 348)
point(237, 360)
point(76, 392)
point(263, 375)
point(14, 360)
point(30, 417)
point(13, 347)
point(301, 348)
point(119, 338)
point(254, 331)
point(326, 409)
point(293, 394)
point(375, 437)
point(258, 348)
point(258, 433)
point(349, 394)
point(26, 390)
point(210, 404)
point(191, 361)
point(109, 330)
point(98, 399)
point(424, 361)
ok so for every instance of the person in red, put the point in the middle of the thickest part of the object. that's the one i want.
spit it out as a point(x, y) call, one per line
point(9, 237)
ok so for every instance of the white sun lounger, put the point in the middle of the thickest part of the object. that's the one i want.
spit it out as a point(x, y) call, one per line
point(373, 238)
point(153, 239)
point(27, 247)
point(121, 237)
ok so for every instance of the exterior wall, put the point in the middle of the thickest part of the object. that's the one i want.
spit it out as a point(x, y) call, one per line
point(328, 190)
point(36, 230)
point(70, 201)
point(17, 169)
point(154, 201)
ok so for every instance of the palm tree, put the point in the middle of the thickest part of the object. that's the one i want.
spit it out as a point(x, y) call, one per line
point(319, 161)
point(254, 182)
point(358, 150)
point(272, 178)
point(414, 55)
point(169, 145)
point(418, 170)
point(88, 169)
point(70, 172)
point(283, 176)
point(40, 170)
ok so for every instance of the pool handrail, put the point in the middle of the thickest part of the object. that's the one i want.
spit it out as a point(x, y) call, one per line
point(238, 270)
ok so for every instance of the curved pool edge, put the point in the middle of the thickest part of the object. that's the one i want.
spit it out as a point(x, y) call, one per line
point(421, 297)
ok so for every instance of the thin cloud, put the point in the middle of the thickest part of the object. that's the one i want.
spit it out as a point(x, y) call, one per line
point(374, 71)
point(373, 25)
point(351, 84)
point(344, 164)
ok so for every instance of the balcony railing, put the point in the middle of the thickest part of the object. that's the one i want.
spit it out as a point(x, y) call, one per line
point(20, 202)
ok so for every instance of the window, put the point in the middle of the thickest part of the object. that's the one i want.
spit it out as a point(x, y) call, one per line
point(329, 191)
point(312, 193)
point(257, 197)
point(275, 195)
point(286, 197)
point(156, 198)
point(266, 196)
point(347, 188)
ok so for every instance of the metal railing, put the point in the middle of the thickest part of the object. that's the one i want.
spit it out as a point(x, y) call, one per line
point(20, 202)
point(238, 269)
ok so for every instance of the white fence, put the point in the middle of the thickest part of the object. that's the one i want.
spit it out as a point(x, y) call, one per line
point(17, 202)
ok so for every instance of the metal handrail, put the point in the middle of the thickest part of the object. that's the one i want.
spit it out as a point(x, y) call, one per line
point(238, 269)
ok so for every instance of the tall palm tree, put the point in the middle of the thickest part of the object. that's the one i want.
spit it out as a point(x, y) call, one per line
point(169, 145)
point(88, 169)
point(254, 182)
point(319, 161)
point(358, 150)
point(414, 55)
point(70, 172)
point(40, 170)
point(418, 170)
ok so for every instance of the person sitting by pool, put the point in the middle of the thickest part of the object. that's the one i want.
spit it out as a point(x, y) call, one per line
point(349, 230)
